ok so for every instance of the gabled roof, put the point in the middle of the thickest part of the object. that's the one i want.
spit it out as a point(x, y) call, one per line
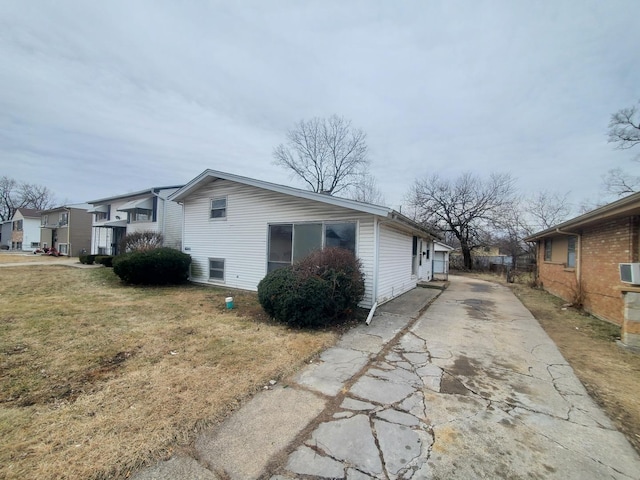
point(624, 207)
point(28, 212)
point(79, 206)
point(212, 175)
point(442, 247)
point(148, 191)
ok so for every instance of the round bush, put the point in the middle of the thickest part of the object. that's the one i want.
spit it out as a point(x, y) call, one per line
point(162, 266)
point(322, 288)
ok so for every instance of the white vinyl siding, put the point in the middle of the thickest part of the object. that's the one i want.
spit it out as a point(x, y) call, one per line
point(168, 222)
point(394, 264)
point(243, 238)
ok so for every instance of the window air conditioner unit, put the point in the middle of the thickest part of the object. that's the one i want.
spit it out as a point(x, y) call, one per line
point(630, 273)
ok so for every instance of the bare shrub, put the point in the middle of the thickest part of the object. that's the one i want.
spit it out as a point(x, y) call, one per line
point(142, 241)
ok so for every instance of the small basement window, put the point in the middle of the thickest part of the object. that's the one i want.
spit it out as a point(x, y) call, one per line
point(216, 269)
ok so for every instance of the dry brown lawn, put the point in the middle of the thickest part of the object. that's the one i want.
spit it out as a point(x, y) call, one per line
point(26, 257)
point(97, 378)
point(610, 374)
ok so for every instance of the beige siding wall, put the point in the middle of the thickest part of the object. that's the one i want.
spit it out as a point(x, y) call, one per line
point(241, 238)
point(80, 231)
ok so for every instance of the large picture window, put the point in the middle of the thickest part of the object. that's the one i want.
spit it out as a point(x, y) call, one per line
point(293, 241)
point(341, 235)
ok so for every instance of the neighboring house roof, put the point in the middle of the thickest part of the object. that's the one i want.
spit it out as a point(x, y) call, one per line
point(442, 247)
point(28, 212)
point(624, 207)
point(148, 191)
point(79, 206)
point(212, 175)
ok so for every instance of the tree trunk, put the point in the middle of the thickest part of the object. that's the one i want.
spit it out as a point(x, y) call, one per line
point(466, 255)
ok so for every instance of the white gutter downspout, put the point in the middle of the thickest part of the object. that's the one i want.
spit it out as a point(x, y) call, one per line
point(376, 258)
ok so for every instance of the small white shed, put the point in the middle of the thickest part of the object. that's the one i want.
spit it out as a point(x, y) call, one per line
point(441, 260)
point(237, 229)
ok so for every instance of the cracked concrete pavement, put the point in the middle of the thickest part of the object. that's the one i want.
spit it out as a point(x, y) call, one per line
point(472, 388)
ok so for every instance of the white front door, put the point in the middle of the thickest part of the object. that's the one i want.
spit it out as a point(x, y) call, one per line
point(424, 261)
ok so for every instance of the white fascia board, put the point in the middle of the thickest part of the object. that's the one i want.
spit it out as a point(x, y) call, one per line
point(207, 175)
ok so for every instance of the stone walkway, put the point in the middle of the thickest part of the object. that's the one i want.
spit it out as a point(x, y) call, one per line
point(474, 388)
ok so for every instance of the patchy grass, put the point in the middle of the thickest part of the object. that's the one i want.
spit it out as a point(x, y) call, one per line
point(97, 378)
point(25, 257)
point(610, 374)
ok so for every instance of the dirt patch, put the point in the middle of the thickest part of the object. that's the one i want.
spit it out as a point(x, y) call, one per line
point(610, 374)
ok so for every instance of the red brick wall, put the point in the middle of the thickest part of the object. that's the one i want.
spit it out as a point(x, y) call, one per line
point(600, 250)
point(555, 278)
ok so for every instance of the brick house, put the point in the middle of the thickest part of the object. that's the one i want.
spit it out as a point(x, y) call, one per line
point(578, 260)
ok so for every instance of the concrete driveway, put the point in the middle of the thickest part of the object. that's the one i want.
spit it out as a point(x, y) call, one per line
point(472, 388)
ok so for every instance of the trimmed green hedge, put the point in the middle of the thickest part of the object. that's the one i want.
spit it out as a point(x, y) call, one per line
point(161, 266)
point(87, 259)
point(323, 288)
point(106, 260)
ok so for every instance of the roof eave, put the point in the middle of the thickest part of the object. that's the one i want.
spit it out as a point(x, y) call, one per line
point(197, 182)
point(147, 191)
point(618, 208)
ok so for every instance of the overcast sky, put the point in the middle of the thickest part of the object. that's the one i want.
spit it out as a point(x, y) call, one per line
point(103, 98)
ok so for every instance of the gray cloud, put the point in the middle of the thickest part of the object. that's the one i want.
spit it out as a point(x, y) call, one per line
point(101, 98)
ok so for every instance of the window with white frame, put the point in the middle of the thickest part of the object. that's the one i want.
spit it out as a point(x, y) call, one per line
point(216, 269)
point(218, 208)
point(64, 219)
point(35, 244)
point(292, 241)
point(63, 248)
point(141, 215)
point(100, 216)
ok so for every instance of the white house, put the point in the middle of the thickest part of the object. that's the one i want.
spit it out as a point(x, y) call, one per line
point(146, 210)
point(236, 229)
point(25, 230)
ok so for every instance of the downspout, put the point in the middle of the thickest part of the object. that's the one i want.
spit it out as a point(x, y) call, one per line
point(376, 258)
point(69, 231)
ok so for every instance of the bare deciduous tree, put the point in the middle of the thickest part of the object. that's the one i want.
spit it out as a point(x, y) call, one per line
point(624, 132)
point(545, 210)
point(328, 154)
point(14, 195)
point(624, 128)
point(366, 190)
point(468, 207)
point(619, 183)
